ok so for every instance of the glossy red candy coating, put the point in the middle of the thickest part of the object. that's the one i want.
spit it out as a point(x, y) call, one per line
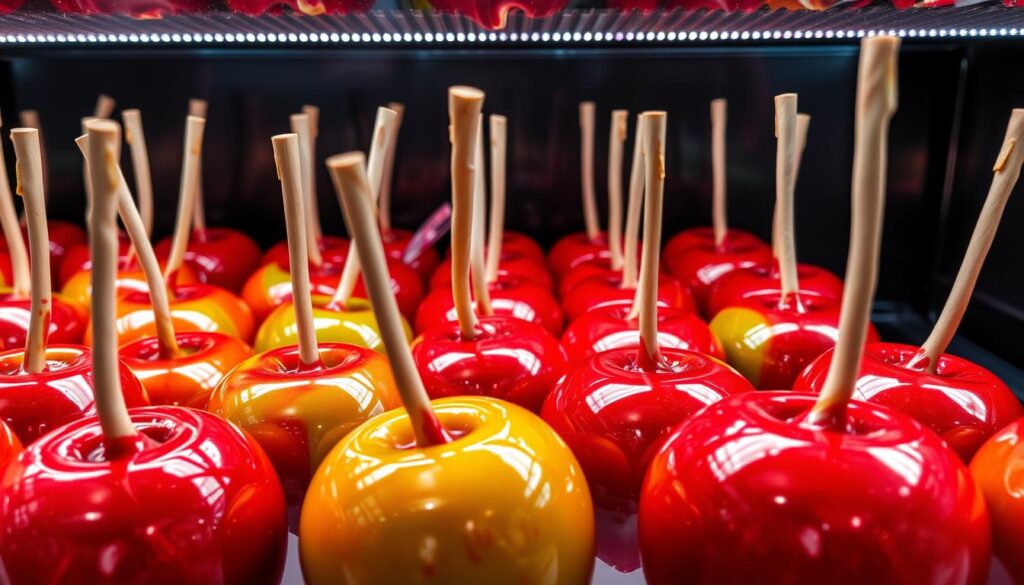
point(6, 272)
point(962, 402)
point(698, 266)
point(492, 13)
point(34, 404)
point(601, 266)
point(700, 237)
point(518, 243)
point(575, 249)
point(10, 446)
point(610, 328)
point(395, 243)
point(511, 359)
point(77, 259)
point(333, 250)
point(612, 413)
point(762, 280)
point(63, 236)
point(67, 321)
point(220, 256)
point(9, 6)
point(193, 501)
point(745, 492)
point(606, 291)
point(996, 469)
point(771, 342)
point(307, 7)
point(511, 297)
point(186, 380)
point(512, 264)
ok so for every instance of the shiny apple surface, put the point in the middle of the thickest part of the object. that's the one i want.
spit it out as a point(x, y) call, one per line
point(193, 500)
point(220, 256)
point(67, 321)
point(704, 236)
point(77, 259)
point(188, 379)
point(511, 264)
point(611, 328)
point(597, 292)
point(510, 359)
point(298, 413)
point(771, 342)
point(574, 249)
point(739, 285)
point(504, 502)
point(333, 249)
point(34, 404)
point(354, 323)
point(131, 279)
point(425, 263)
point(511, 297)
point(998, 469)
point(700, 265)
point(962, 402)
point(613, 413)
point(748, 492)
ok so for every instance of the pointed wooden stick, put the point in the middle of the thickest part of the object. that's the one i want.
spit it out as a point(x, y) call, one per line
point(350, 181)
point(477, 264)
point(654, 125)
point(22, 285)
point(289, 172)
point(193, 147)
point(199, 108)
point(29, 170)
point(876, 103)
point(104, 152)
point(631, 241)
point(719, 209)
point(104, 107)
point(384, 202)
point(785, 179)
point(133, 224)
point(383, 132)
point(30, 119)
point(499, 142)
point(1006, 172)
point(616, 142)
point(301, 127)
point(136, 140)
point(464, 105)
point(587, 171)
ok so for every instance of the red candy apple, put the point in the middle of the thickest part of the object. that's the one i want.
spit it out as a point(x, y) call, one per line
point(996, 470)
point(333, 250)
point(608, 291)
point(221, 256)
point(782, 487)
point(614, 406)
point(962, 402)
point(148, 495)
point(310, 395)
point(511, 264)
point(736, 287)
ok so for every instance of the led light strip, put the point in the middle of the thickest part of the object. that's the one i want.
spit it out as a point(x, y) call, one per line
point(543, 38)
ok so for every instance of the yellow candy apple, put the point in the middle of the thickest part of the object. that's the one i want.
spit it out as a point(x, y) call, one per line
point(354, 324)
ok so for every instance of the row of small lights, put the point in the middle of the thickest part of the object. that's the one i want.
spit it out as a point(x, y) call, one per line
point(498, 37)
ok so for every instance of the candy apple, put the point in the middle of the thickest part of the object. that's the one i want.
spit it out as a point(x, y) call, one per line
point(130, 278)
point(396, 241)
point(614, 328)
point(310, 395)
point(961, 401)
point(739, 285)
point(179, 495)
point(77, 259)
point(699, 266)
point(510, 296)
point(614, 406)
point(996, 470)
point(511, 264)
point(10, 446)
point(607, 291)
point(67, 320)
point(333, 250)
point(783, 487)
point(704, 237)
point(452, 443)
point(64, 236)
point(220, 256)
point(353, 323)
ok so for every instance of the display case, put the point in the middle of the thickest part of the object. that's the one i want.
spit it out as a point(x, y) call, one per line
point(958, 80)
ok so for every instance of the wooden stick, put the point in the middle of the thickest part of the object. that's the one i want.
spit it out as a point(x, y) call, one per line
point(355, 193)
point(719, 209)
point(289, 172)
point(632, 234)
point(587, 170)
point(312, 199)
point(22, 285)
point(616, 143)
point(384, 200)
point(194, 127)
point(86, 179)
point(199, 108)
point(30, 119)
point(1006, 172)
point(803, 122)
point(104, 152)
point(301, 127)
point(104, 107)
point(477, 264)
point(464, 105)
point(136, 140)
point(654, 125)
point(876, 103)
point(383, 132)
point(785, 180)
point(29, 170)
point(499, 144)
point(136, 229)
